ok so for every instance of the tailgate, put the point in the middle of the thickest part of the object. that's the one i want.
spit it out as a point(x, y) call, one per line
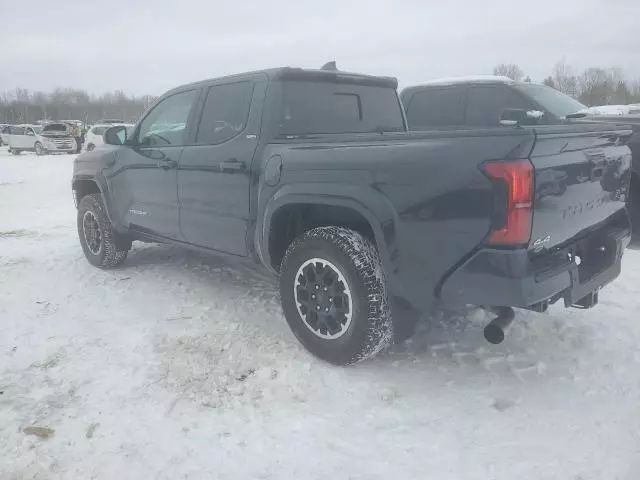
point(582, 175)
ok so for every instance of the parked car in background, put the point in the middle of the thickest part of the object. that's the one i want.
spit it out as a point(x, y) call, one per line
point(613, 110)
point(94, 136)
point(4, 134)
point(488, 102)
point(51, 138)
point(313, 175)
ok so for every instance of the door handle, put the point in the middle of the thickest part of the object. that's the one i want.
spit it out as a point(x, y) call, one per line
point(232, 165)
point(167, 164)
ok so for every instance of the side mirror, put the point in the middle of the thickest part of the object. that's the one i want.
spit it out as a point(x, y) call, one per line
point(115, 135)
point(516, 116)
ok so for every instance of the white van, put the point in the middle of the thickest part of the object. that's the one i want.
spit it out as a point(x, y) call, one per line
point(52, 138)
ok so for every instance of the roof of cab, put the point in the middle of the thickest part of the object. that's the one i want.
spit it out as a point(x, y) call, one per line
point(463, 80)
point(290, 73)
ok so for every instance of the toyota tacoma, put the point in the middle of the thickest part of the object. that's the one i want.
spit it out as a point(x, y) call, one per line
point(314, 175)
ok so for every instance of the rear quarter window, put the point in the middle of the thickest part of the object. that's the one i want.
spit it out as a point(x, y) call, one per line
point(327, 108)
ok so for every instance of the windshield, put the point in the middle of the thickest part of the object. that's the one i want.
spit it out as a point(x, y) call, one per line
point(55, 127)
point(326, 108)
point(553, 101)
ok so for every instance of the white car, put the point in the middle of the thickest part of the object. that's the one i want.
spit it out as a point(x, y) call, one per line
point(51, 138)
point(95, 135)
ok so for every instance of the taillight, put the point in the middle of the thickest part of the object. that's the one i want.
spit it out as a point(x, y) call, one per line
point(517, 205)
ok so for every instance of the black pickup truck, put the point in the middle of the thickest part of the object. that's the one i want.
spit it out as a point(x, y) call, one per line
point(313, 175)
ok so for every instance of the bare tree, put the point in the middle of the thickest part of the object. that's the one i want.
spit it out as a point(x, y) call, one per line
point(510, 70)
point(69, 104)
point(564, 79)
point(549, 82)
point(596, 86)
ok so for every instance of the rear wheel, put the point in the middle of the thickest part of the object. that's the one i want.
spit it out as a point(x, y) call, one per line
point(97, 236)
point(14, 151)
point(334, 297)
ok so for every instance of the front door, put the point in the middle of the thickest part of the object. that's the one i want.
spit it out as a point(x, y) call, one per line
point(214, 175)
point(143, 178)
point(29, 138)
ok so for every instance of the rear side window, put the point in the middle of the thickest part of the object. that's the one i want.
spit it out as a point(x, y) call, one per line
point(326, 108)
point(225, 113)
point(17, 130)
point(436, 107)
point(485, 104)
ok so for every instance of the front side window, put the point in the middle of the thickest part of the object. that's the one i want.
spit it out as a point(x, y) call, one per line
point(225, 113)
point(166, 124)
point(485, 104)
point(30, 132)
point(551, 99)
point(436, 107)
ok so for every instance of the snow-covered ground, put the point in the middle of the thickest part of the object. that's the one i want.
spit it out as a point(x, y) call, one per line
point(179, 365)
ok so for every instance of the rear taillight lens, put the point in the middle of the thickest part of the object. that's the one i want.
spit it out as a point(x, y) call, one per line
point(517, 216)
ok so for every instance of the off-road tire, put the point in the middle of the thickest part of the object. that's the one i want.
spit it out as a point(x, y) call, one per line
point(110, 254)
point(370, 329)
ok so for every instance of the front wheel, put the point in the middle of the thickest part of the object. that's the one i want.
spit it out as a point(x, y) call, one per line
point(334, 296)
point(97, 236)
point(40, 150)
point(90, 147)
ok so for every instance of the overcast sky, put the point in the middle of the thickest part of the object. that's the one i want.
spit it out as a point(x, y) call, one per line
point(154, 45)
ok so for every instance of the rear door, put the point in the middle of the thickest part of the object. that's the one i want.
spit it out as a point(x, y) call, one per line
point(214, 174)
point(17, 137)
point(143, 179)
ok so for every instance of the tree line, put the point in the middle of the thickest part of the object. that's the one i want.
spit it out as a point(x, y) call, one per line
point(23, 106)
point(593, 86)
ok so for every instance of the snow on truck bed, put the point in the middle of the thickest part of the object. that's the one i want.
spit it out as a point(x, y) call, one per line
point(179, 365)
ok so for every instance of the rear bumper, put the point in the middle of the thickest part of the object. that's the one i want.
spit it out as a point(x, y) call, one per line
point(516, 278)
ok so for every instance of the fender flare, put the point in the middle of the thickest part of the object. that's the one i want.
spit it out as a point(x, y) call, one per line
point(101, 183)
point(371, 204)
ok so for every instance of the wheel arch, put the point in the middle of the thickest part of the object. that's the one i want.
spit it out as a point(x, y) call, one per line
point(83, 185)
point(293, 210)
